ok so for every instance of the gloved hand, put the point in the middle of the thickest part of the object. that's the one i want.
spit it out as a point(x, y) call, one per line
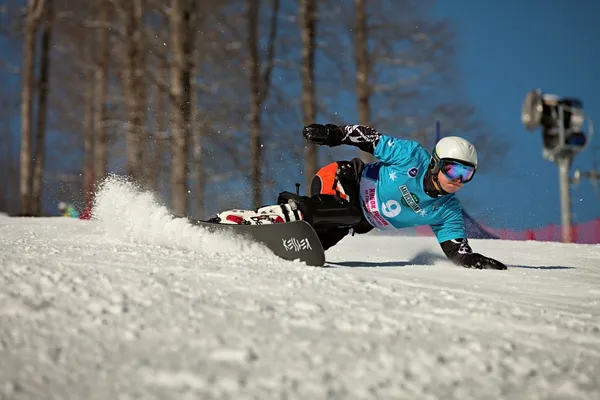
point(478, 261)
point(328, 135)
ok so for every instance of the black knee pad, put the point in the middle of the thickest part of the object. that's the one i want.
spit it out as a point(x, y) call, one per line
point(331, 211)
point(324, 210)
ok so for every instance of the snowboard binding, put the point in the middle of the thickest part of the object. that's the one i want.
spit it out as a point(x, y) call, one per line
point(276, 214)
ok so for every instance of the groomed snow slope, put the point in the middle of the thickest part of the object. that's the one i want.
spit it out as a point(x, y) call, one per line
point(135, 305)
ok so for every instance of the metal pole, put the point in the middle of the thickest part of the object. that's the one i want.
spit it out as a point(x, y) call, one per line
point(564, 166)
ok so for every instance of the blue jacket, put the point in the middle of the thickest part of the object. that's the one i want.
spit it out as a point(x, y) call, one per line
point(393, 197)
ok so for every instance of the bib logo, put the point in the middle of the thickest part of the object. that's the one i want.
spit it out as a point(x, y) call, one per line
point(414, 197)
point(411, 200)
point(413, 172)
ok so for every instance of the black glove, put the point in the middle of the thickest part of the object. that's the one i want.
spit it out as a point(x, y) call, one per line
point(476, 260)
point(328, 135)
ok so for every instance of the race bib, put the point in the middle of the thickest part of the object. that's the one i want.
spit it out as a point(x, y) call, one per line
point(374, 212)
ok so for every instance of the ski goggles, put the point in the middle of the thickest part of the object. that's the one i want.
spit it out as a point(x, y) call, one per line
point(454, 169)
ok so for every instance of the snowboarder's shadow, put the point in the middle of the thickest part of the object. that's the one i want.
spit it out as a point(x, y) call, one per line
point(420, 259)
point(424, 258)
point(540, 267)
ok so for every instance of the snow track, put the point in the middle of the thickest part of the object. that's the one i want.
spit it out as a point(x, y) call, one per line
point(136, 305)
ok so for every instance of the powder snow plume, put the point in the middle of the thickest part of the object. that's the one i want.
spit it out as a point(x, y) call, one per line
point(129, 213)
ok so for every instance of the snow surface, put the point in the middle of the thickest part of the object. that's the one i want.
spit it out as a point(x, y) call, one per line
point(138, 305)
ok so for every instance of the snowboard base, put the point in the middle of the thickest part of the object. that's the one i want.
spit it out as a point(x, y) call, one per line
point(290, 241)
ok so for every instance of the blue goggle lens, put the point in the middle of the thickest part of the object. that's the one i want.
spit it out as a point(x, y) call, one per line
point(454, 170)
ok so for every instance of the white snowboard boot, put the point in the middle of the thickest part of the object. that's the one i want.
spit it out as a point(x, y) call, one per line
point(265, 215)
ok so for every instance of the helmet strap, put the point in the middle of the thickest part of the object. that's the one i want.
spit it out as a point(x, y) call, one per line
point(431, 183)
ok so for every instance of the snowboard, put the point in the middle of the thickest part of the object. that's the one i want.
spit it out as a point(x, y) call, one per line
point(290, 241)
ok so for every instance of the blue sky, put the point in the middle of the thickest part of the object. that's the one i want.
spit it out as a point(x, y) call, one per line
point(505, 49)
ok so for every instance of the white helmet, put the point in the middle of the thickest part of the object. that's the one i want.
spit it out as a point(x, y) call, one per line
point(455, 148)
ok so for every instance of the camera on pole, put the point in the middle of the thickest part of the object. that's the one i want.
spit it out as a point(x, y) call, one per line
point(561, 120)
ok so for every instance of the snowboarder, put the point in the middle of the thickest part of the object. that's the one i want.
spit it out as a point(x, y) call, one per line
point(406, 187)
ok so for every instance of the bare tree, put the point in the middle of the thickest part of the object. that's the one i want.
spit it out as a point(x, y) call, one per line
point(35, 8)
point(361, 57)
point(42, 109)
point(181, 73)
point(72, 104)
point(260, 83)
point(160, 128)
point(9, 190)
point(132, 12)
point(309, 108)
point(198, 132)
point(198, 175)
point(101, 94)
point(404, 76)
point(88, 123)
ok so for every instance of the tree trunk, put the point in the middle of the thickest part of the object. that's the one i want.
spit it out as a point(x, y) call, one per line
point(140, 108)
point(88, 126)
point(34, 10)
point(179, 142)
point(254, 77)
point(7, 161)
point(181, 71)
point(100, 96)
point(42, 110)
point(259, 87)
point(361, 53)
point(190, 111)
point(197, 135)
point(198, 173)
point(308, 24)
point(133, 89)
point(160, 134)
